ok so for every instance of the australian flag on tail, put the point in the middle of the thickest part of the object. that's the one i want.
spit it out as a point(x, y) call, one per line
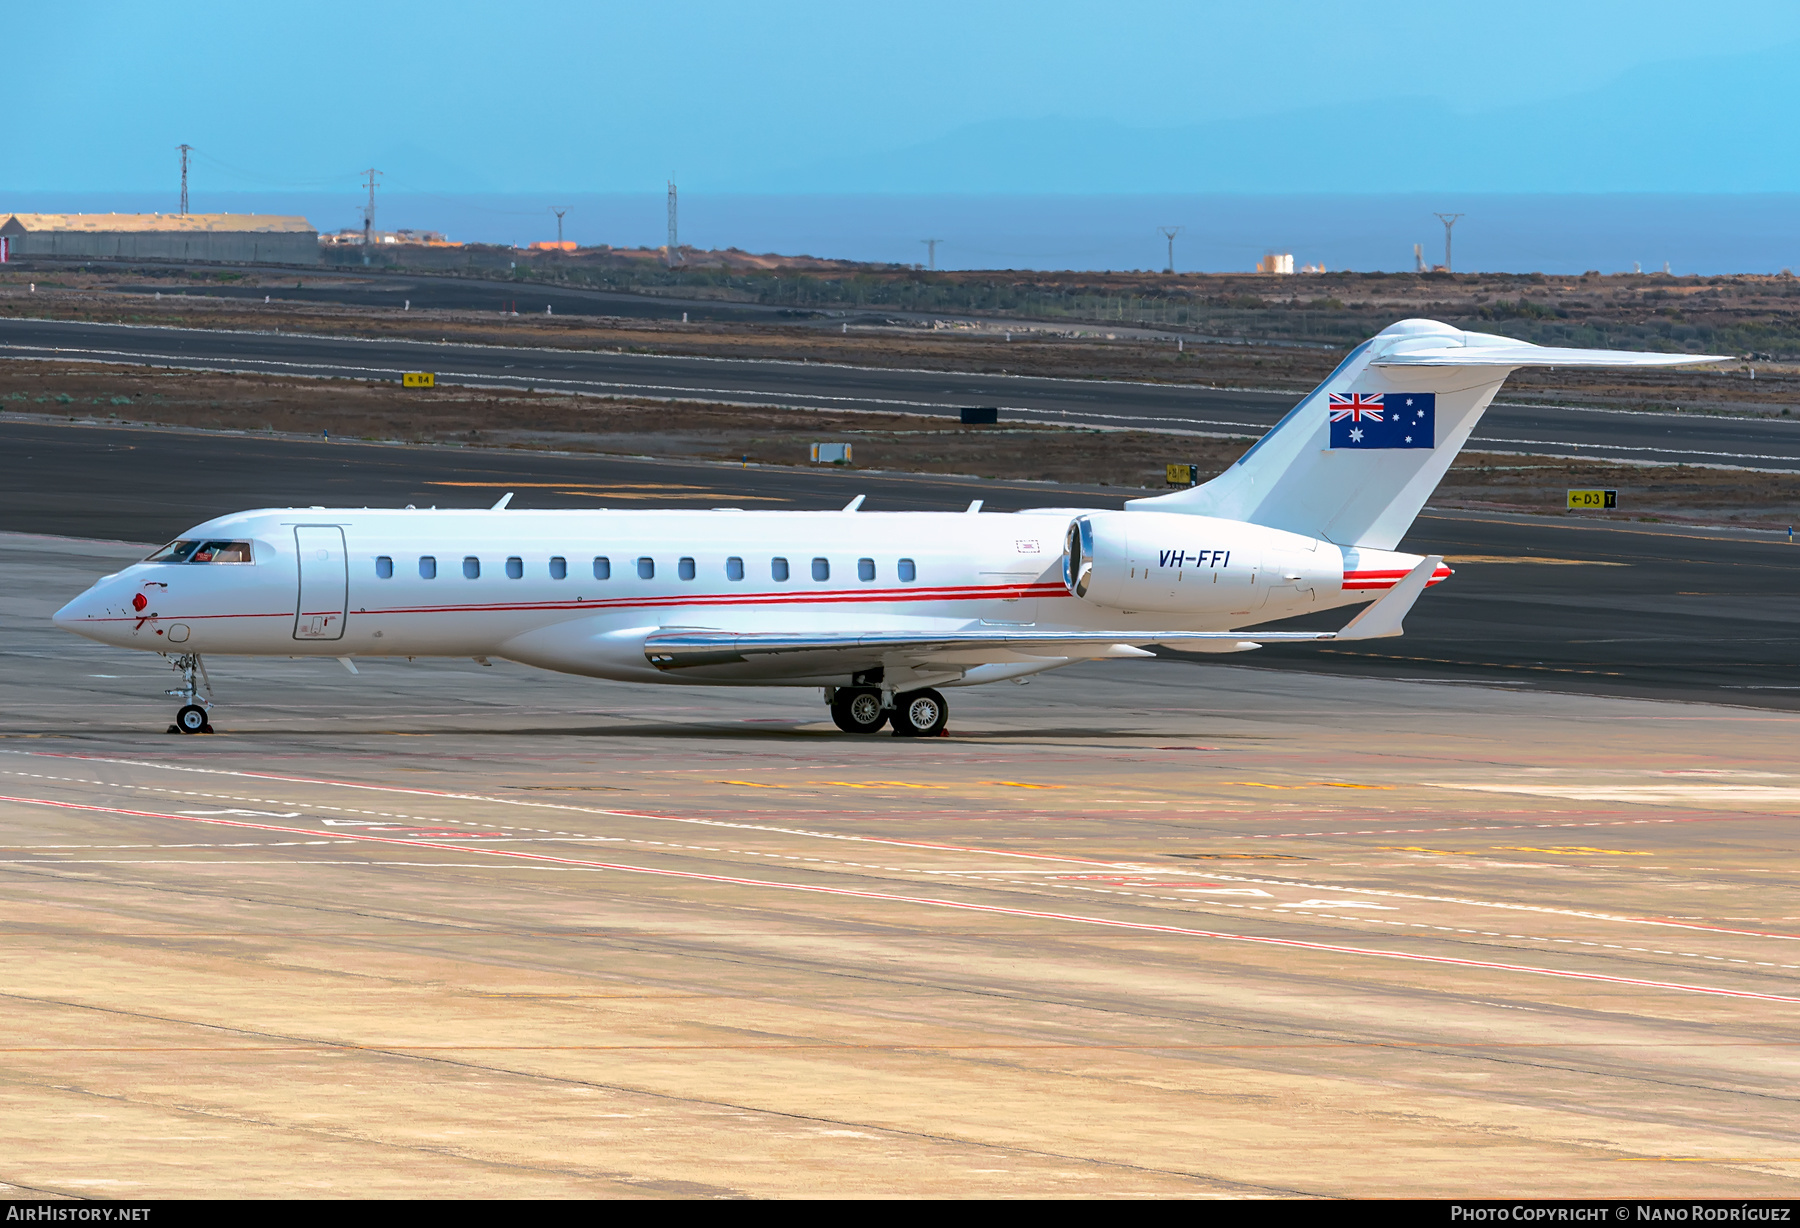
point(1384, 419)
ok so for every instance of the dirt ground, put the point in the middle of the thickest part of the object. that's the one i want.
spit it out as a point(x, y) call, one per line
point(1042, 352)
point(351, 409)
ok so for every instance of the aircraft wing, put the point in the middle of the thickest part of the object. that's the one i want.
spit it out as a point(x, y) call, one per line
point(676, 649)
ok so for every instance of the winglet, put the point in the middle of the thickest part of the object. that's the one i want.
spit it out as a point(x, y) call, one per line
point(855, 505)
point(504, 500)
point(1383, 618)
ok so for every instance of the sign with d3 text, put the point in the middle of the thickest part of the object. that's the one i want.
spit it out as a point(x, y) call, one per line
point(1593, 500)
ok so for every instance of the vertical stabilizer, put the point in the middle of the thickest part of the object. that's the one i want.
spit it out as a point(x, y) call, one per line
point(1355, 460)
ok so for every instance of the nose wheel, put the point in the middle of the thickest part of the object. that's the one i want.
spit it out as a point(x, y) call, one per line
point(192, 715)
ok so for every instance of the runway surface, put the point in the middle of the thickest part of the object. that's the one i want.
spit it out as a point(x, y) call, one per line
point(1536, 603)
point(1753, 442)
point(423, 293)
point(1141, 928)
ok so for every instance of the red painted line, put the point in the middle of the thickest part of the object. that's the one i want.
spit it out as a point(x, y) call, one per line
point(185, 618)
point(1387, 578)
point(837, 597)
point(842, 597)
point(1384, 585)
point(933, 846)
point(410, 791)
point(1389, 573)
point(595, 810)
point(930, 902)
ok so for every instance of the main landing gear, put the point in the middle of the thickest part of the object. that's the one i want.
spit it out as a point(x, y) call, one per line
point(914, 714)
point(858, 709)
point(191, 718)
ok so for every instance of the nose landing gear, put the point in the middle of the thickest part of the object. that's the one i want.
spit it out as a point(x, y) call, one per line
point(192, 717)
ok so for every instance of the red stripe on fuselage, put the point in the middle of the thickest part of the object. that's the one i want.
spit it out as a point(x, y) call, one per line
point(839, 597)
point(1388, 577)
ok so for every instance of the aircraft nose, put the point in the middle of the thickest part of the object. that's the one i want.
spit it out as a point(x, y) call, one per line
point(79, 615)
point(70, 614)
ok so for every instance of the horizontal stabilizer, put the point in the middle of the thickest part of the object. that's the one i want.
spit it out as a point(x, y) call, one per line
point(1357, 458)
point(1484, 350)
point(1383, 618)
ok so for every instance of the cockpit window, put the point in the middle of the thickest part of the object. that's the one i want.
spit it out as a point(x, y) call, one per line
point(202, 552)
point(174, 552)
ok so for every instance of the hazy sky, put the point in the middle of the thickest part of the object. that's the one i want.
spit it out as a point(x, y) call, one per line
point(465, 96)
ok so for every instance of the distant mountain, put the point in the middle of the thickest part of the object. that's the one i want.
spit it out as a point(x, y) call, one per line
point(1726, 124)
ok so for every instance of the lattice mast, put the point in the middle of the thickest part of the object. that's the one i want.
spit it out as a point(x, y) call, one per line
point(185, 151)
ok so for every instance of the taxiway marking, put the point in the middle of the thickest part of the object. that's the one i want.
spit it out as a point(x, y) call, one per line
point(1308, 908)
point(804, 832)
point(957, 905)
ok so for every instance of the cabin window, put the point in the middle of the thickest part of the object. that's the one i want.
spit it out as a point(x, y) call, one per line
point(471, 568)
point(202, 552)
point(384, 567)
point(427, 568)
point(559, 568)
point(778, 569)
point(646, 569)
point(821, 569)
point(908, 573)
point(865, 570)
point(515, 568)
point(734, 568)
point(685, 569)
point(602, 568)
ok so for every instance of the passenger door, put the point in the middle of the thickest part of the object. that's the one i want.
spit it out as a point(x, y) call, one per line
point(324, 582)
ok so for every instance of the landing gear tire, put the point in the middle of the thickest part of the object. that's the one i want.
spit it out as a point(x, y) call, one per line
point(191, 719)
point(920, 714)
point(858, 709)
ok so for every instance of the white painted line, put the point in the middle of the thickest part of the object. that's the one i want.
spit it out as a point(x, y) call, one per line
point(958, 905)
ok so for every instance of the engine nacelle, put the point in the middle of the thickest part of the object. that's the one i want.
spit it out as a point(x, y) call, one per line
point(1166, 561)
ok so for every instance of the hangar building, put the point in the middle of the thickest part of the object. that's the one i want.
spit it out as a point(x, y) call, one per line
point(236, 237)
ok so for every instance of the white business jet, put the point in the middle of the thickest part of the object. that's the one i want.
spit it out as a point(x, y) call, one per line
point(880, 609)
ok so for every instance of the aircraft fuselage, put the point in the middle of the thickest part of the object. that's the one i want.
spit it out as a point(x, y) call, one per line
point(578, 591)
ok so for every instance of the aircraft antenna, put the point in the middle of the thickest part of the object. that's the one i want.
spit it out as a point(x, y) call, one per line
point(674, 252)
point(1169, 233)
point(931, 252)
point(1449, 220)
point(185, 151)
